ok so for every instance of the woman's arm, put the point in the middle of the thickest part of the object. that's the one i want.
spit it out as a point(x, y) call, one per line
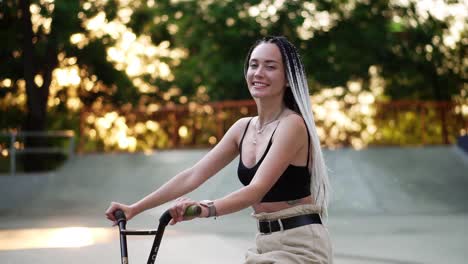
point(188, 180)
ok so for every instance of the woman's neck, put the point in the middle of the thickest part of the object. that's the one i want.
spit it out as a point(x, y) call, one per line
point(269, 111)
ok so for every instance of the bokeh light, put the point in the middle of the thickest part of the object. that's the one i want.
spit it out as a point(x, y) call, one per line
point(66, 237)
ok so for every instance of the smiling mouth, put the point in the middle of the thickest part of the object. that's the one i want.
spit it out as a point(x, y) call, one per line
point(259, 84)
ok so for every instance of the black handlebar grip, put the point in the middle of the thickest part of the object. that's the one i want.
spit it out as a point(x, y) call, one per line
point(119, 216)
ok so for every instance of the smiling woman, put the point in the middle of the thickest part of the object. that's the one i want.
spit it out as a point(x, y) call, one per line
point(280, 165)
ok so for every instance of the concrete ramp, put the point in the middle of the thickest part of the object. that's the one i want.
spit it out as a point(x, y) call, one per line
point(390, 205)
point(372, 181)
point(399, 180)
point(83, 188)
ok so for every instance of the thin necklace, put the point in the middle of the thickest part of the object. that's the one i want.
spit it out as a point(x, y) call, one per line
point(260, 131)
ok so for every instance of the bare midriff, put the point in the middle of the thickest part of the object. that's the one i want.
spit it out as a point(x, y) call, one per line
point(271, 207)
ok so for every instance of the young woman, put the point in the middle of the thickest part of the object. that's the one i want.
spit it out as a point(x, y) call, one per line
point(281, 165)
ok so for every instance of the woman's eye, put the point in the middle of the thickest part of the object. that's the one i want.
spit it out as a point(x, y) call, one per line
point(271, 67)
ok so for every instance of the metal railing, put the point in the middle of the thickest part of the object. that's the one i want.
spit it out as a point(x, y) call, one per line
point(15, 147)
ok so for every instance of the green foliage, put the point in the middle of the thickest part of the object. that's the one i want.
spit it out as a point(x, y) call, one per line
point(407, 124)
point(48, 42)
point(217, 35)
point(417, 68)
point(416, 125)
point(216, 50)
point(408, 51)
point(361, 37)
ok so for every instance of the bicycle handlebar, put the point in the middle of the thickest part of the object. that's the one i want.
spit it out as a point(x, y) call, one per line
point(191, 211)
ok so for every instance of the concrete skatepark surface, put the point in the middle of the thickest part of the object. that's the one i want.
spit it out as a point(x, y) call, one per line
point(390, 205)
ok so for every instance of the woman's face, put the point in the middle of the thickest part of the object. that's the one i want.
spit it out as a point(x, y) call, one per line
point(265, 74)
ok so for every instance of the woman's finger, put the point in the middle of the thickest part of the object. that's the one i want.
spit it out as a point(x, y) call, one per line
point(110, 211)
point(173, 213)
point(118, 206)
point(177, 211)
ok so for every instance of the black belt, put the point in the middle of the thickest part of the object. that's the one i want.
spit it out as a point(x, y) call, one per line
point(270, 226)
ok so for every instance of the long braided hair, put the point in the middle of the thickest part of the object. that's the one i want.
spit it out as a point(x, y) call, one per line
point(297, 98)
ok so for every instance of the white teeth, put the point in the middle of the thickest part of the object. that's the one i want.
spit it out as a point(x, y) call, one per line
point(259, 84)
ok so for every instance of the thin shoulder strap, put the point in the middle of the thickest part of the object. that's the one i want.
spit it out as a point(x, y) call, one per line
point(271, 138)
point(268, 146)
point(243, 135)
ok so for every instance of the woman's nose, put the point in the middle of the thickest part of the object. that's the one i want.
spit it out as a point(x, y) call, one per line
point(258, 71)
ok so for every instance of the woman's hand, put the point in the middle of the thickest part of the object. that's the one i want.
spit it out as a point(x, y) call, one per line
point(178, 209)
point(128, 211)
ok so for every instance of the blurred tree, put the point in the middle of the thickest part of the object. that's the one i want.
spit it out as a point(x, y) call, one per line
point(148, 52)
point(216, 37)
point(36, 34)
point(419, 64)
point(339, 41)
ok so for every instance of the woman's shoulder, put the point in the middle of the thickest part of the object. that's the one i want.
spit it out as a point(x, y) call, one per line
point(293, 119)
point(240, 125)
point(243, 121)
point(293, 125)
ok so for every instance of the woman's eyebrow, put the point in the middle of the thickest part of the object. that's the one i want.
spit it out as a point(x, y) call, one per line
point(266, 61)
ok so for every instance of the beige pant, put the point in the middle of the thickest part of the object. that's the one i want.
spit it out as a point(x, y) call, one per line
point(306, 244)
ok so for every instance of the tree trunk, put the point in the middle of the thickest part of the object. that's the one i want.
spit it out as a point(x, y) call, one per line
point(36, 97)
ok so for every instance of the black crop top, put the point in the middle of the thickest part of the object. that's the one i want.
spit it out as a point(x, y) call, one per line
point(293, 184)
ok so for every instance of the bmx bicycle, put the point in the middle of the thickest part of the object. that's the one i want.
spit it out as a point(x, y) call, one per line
point(164, 220)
